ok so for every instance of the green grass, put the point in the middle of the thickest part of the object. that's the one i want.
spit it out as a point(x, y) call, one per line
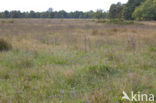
point(97, 71)
point(46, 77)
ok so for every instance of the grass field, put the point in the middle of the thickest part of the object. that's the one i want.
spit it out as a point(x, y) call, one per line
point(76, 61)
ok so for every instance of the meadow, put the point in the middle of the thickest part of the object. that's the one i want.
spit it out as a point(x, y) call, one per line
point(76, 60)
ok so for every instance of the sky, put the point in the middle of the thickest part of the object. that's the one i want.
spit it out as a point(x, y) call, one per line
point(67, 5)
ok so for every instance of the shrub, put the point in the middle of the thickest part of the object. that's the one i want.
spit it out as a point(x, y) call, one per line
point(11, 21)
point(101, 70)
point(116, 21)
point(7, 21)
point(4, 45)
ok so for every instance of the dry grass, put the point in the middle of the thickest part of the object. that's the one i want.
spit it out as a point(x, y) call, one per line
point(50, 58)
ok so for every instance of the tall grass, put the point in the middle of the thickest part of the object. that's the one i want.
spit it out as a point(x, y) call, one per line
point(76, 61)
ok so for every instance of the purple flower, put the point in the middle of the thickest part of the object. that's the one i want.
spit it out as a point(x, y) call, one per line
point(89, 101)
point(62, 91)
point(18, 91)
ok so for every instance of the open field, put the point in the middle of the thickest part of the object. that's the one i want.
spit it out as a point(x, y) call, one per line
point(76, 61)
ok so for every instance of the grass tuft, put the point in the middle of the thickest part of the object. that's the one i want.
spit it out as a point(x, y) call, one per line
point(101, 70)
point(4, 45)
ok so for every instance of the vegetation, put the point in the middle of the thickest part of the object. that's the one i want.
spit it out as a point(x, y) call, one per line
point(129, 8)
point(115, 11)
point(53, 14)
point(76, 61)
point(147, 11)
point(134, 10)
point(116, 21)
point(4, 45)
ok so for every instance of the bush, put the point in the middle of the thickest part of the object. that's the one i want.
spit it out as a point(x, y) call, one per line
point(7, 21)
point(11, 21)
point(101, 70)
point(4, 45)
point(116, 21)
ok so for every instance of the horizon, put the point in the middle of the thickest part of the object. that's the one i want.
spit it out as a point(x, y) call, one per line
point(57, 5)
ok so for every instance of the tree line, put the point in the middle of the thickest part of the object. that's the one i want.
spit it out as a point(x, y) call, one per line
point(53, 14)
point(134, 10)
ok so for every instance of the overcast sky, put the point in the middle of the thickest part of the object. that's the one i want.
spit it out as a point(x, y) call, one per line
point(68, 5)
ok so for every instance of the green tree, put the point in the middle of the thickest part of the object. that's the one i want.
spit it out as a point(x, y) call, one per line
point(15, 14)
point(6, 14)
point(147, 11)
point(44, 15)
point(99, 14)
point(115, 11)
point(32, 14)
point(129, 8)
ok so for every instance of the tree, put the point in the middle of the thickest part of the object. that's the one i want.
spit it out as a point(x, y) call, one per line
point(50, 10)
point(62, 14)
point(53, 14)
point(6, 14)
point(32, 14)
point(90, 14)
point(129, 8)
point(115, 11)
point(15, 14)
point(44, 14)
point(99, 14)
point(147, 11)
